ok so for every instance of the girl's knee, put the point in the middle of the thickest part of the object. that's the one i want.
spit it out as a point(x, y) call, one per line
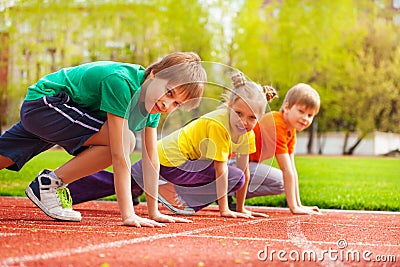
point(241, 182)
point(236, 179)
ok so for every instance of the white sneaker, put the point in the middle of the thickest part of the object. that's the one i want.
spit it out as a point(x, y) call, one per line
point(182, 208)
point(52, 196)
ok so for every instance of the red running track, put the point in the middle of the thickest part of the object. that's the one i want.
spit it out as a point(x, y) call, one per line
point(338, 238)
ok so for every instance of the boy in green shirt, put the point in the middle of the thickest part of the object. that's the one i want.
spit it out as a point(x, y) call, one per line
point(91, 110)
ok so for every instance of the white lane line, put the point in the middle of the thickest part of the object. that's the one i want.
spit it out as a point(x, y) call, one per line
point(115, 244)
point(52, 230)
point(288, 241)
point(8, 234)
point(378, 212)
point(98, 229)
point(297, 238)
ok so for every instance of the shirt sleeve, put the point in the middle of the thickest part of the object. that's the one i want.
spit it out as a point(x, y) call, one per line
point(115, 95)
point(292, 143)
point(153, 120)
point(281, 141)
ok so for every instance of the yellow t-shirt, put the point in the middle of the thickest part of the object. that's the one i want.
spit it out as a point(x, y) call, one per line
point(207, 137)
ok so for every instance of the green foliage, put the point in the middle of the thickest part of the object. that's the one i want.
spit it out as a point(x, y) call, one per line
point(350, 56)
point(347, 50)
point(329, 182)
point(48, 35)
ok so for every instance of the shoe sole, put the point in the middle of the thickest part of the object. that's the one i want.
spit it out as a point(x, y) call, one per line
point(173, 209)
point(29, 193)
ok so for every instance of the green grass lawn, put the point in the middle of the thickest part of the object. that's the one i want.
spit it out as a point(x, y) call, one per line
point(355, 183)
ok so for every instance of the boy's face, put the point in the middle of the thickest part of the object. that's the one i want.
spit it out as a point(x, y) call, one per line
point(159, 98)
point(299, 116)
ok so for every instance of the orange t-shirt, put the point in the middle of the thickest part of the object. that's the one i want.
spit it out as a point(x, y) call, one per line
point(272, 137)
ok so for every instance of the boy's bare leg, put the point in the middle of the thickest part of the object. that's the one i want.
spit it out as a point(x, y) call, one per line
point(92, 160)
point(5, 162)
point(48, 191)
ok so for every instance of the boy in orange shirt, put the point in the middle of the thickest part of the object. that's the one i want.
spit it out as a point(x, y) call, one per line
point(299, 108)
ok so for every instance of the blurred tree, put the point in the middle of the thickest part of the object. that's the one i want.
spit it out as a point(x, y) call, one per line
point(346, 55)
point(4, 57)
point(48, 35)
point(371, 100)
point(347, 50)
point(287, 42)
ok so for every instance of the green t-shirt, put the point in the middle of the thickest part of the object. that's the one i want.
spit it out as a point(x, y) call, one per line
point(101, 87)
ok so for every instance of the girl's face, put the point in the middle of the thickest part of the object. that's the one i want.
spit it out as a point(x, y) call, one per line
point(298, 117)
point(242, 118)
point(159, 98)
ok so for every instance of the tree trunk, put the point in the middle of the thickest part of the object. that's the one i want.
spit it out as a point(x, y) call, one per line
point(351, 149)
point(346, 140)
point(311, 135)
point(321, 142)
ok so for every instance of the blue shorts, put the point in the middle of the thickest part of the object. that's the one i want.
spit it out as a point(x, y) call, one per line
point(48, 121)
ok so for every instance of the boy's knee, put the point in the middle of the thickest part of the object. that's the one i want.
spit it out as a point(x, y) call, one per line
point(5, 162)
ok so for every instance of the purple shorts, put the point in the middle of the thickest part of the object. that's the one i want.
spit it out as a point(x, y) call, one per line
point(194, 181)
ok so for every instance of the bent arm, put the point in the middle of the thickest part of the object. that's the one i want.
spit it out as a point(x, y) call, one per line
point(151, 168)
point(119, 135)
point(221, 175)
point(291, 185)
point(242, 162)
point(289, 180)
point(303, 209)
point(296, 180)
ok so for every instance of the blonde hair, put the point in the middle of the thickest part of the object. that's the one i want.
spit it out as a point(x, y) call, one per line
point(250, 92)
point(184, 73)
point(302, 94)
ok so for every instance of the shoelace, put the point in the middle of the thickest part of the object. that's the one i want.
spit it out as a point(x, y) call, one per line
point(65, 198)
point(180, 201)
